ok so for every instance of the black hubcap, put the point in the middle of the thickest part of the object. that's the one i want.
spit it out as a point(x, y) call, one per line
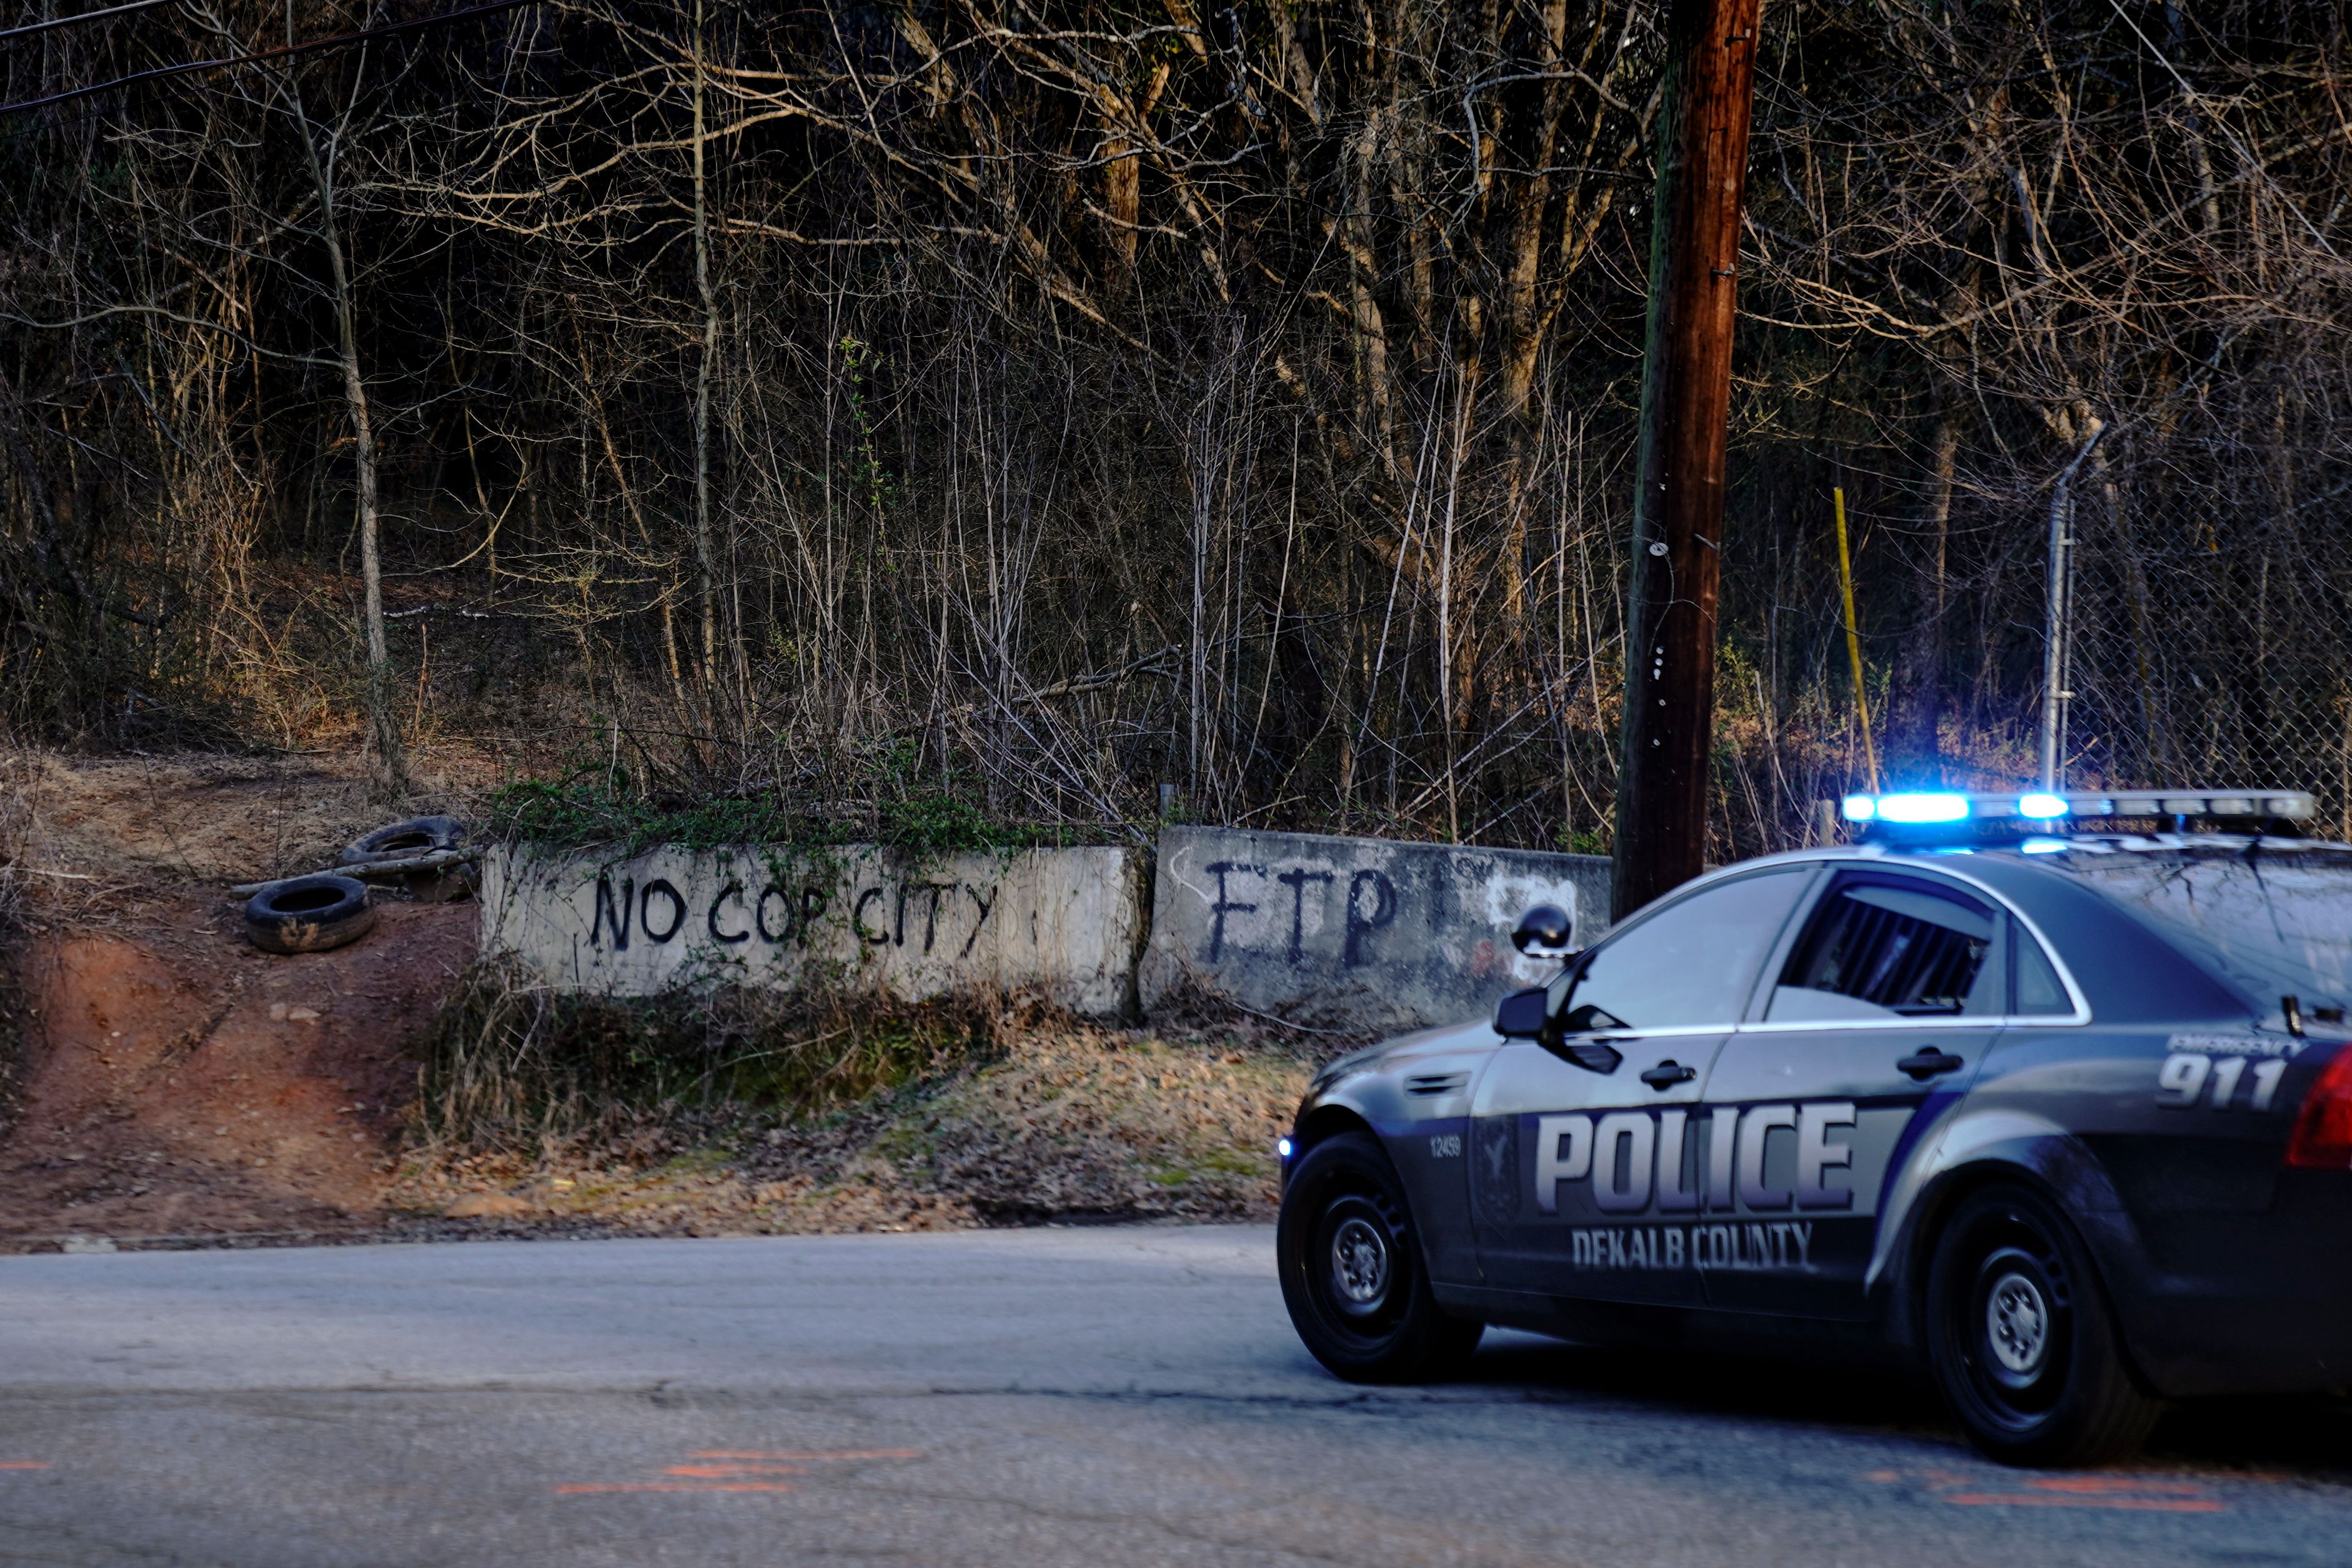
point(1353, 1266)
point(1360, 1266)
point(2014, 1321)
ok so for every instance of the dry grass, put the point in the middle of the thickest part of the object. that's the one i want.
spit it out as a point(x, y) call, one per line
point(750, 1113)
point(511, 1067)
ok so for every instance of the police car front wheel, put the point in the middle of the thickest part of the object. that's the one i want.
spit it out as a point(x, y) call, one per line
point(2021, 1340)
point(1351, 1270)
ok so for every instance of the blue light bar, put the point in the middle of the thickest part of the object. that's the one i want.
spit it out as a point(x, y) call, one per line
point(1282, 1147)
point(1912, 809)
point(1933, 808)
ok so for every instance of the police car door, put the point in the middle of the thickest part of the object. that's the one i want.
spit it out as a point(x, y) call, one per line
point(1575, 1171)
point(1881, 1004)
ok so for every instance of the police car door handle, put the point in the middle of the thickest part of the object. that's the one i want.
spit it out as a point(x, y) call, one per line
point(1927, 1063)
point(1667, 1074)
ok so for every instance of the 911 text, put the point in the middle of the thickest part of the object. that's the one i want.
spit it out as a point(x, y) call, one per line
point(2181, 1081)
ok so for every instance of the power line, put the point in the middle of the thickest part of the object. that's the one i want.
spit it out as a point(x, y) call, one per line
point(340, 41)
point(85, 16)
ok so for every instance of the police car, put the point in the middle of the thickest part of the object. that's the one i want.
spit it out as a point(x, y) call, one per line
point(2061, 1109)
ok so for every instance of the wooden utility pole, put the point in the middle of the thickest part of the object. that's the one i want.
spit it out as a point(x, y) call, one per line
point(1685, 402)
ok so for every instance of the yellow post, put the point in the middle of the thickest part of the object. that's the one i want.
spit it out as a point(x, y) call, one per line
point(1854, 638)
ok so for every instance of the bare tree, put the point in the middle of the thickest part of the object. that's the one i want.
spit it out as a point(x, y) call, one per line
point(1028, 405)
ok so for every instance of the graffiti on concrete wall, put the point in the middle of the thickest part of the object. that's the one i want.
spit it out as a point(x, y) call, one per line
point(1361, 932)
point(1357, 933)
point(1065, 923)
point(1369, 906)
point(779, 916)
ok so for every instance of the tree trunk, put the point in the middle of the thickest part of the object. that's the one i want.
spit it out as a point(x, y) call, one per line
point(383, 724)
point(705, 554)
point(1920, 738)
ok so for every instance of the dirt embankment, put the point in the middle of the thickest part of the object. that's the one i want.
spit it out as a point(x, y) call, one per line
point(178, 1087)
point(176, 1081)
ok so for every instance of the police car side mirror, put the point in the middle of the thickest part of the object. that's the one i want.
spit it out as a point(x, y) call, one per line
point(1527, 1015)
point(1544, 931)
point(1524, 1015)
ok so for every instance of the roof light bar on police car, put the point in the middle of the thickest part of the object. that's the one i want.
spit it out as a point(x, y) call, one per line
point(1910, 808)
point(1907, 809)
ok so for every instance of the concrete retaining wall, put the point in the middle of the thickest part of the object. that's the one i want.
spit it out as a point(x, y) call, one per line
point(1066, 923)
point(1354, 932)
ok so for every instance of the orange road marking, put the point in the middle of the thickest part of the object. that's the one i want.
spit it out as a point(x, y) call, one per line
point(738, 1463)
point(578, 1489)
point(2144, 1494)
point(806, 1456)
point(24, 1464)
point(2060, 1499)
point(2113, 1484)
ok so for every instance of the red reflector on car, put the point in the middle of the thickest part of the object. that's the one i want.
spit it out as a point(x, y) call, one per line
point(2322, 1134)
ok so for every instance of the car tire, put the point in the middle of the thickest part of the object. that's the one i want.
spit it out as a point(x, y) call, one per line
point(2021, 1339)
point(399, 840)
point(309, 914)
point(417, 836)
point(1352, 1271)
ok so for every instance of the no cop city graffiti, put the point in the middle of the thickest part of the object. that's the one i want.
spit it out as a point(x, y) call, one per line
point(779, 915)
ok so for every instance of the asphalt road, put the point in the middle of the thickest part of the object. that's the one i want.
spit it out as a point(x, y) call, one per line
point(1094, 1396)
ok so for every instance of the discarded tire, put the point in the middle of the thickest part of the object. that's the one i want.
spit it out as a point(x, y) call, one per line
point(309, 914)
point(417, 836)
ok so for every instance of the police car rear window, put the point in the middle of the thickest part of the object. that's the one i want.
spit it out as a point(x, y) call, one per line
point(2278, 921)
point(1878, 948)
point(2040, 993)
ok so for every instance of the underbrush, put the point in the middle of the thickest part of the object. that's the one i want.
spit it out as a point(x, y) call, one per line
point(750, 1112)
point(18, 773)
point(513, 1066)
point(880, 794)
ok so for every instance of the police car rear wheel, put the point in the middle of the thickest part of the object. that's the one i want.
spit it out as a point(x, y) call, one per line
point(2021, 1339)
point(1351, 1270)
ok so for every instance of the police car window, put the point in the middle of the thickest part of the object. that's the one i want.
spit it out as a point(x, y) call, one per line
point(2277, 921)
point(1880, 949)
point(2040, 993)
point(1692, 964)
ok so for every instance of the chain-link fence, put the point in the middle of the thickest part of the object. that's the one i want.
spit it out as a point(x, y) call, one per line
point(2209, 628)
point(2203, 625)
